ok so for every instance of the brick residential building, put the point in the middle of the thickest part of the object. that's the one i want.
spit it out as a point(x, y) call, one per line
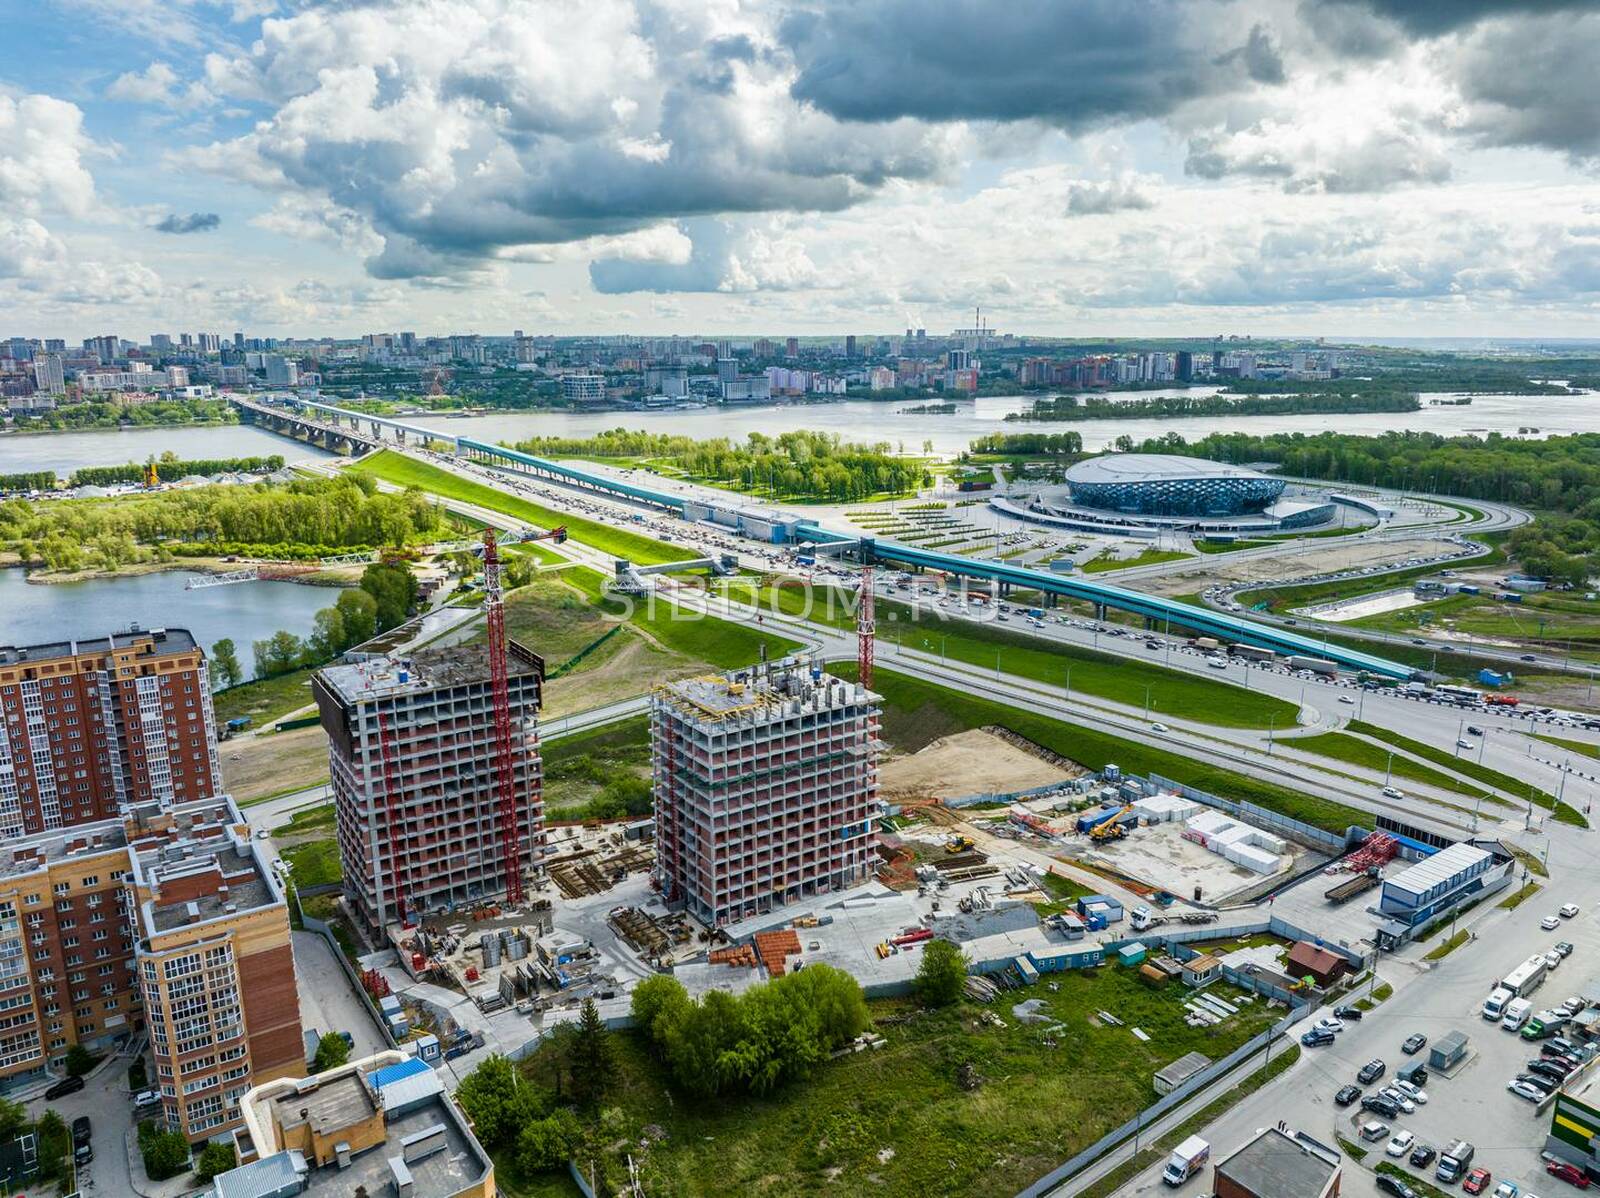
point(88, 728)
point(411, 751)
point(765, 785)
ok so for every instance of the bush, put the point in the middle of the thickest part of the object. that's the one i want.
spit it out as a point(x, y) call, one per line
point(165, 1153)
point(79, 1060)
point(548, 1143)
point(332, 1051)
point(942, 974)
point(55, 1142)
point(214, 1158)
point(500, 1104)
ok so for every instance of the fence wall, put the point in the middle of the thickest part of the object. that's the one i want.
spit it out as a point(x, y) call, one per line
point(1275, 821)
point(1154, 1112)
point(326, 932)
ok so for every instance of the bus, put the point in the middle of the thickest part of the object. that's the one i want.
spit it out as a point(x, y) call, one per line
point(1525, 978)
point(1458, 694)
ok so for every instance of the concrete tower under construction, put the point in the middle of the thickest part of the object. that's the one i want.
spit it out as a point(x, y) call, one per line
point(413, 758)
point(766, 781)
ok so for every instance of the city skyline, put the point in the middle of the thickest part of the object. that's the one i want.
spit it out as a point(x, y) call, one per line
point(1165, 169)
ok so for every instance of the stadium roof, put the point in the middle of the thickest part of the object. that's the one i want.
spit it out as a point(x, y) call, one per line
point(1151, 467)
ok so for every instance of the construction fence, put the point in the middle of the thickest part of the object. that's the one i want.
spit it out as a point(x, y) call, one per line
point(1273, 821)
point(1162, 1106)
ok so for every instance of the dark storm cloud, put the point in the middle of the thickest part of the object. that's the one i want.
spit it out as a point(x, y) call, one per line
point(195, 222)
point(1077, 65)
point(1542, 99)
point(1432, 17)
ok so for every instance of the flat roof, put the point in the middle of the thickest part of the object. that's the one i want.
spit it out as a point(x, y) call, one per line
point(1152, 467)
point(1276, 1164)
point(761, 692)
point(167, 640)
point(1440, 868)
point(248, 887)
point(426, 670)
point(441, 1174)
point(328, 1107)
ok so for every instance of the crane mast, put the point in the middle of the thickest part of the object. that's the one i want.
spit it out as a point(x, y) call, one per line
point(505, 763)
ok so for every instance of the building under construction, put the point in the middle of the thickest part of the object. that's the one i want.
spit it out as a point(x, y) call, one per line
point(414, 754)
point(766, 781)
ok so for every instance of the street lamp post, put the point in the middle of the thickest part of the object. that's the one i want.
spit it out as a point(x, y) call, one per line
point(1069, 684)
point(1388, 771)
point(1147, 702)
point(1272, 722)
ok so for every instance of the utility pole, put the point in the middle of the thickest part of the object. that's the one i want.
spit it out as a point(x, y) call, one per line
point(1388, 771)
point(1147, 702)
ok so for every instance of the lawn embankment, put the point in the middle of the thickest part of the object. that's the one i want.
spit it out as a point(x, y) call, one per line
point(1583, 748)
point(577, 768)
point(1148, 557)
point(1173, 693)
point(408, 472)
point(264, 701)
point(1472, 769)
point(916, 713)
point(1352, 750)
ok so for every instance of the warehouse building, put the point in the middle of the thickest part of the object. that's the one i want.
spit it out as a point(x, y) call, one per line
point(89, 726)
point(411, 752)
point(1279, 1163)
point(1437, 885)
point(766, 781)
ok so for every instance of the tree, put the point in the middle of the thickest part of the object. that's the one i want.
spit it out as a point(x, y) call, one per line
point(165, 1153)
point(391, 584)
point(591, 1058)
point(548, 1143)
point(214, 1158)
point(498, 1102)
point(942, 974)
point(332, 1051)
point(358, 611)
point(54, 1144)
point(327, 637)
point(225, 667)
point(278, 654)
point(79, 1060)
point(13, 1118)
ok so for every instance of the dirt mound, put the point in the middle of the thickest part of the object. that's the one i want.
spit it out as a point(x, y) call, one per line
point(972, 762)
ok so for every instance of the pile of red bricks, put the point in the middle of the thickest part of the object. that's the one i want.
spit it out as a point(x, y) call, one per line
point(775, 947)
point(738, 954)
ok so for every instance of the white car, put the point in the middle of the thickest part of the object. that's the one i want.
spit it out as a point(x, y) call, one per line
point(1569, 911)
point(1400, 1144)
point(1508, 1189)
point(1400, 1099)
point(1217, 663)
point(1552, 959)
point(1347, 699)
point(1524, 1090)
point(1550, 922)
point(1330, 1024)
point(1159, 728)
point(1411, 1090)
point(1463, 744)
point(1389, 792)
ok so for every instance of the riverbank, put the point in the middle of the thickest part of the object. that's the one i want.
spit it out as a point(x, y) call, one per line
point(336, 577)
point(118, 427)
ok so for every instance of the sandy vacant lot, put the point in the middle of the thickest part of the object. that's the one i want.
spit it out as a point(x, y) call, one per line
point(1305, 557)
point(256, 766)
point(972, 762)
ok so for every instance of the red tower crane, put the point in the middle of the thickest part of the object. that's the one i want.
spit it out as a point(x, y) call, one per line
point(505, 763)
point(866, 627)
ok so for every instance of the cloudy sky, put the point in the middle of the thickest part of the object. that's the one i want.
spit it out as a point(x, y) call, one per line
point(1078, 167)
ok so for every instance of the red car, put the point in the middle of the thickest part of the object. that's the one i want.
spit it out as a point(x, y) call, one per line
point(1477, 1181)
point(1570, 1174)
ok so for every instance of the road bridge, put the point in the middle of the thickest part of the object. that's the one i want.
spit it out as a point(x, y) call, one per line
point(304, 426)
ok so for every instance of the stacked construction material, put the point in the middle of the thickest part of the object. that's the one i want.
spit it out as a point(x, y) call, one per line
point(1250, 847)
point(1165, 808)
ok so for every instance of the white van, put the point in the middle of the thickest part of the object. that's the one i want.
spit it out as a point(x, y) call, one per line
point(1495, 1005)
point(1517, 1012)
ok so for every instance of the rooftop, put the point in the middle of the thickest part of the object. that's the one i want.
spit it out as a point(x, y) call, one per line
point(1282, 1164)
point(195, 881)
point(429, 669)
point(1443, 866)
point(342, 1102)
point(441, 1174)
point(31, 853)
point(162, 640)
point(1151, 467)
point(762, 692)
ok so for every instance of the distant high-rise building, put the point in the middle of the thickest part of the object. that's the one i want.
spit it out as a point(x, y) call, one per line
point(185, 341)
point(282, 371)
point(161, 343)
point(55, 345)
point(426, 725)
point(408, 342)
point(107, 348)
point(210, 343)
point(850, 346)
point(89, 726)
point(763, 348)
point(238, 341)
point(583, 390)
point(791, 347)
point(727, 369)
point(958, 359)
point(667, 380)
point(1185, 366)
point(49, 375)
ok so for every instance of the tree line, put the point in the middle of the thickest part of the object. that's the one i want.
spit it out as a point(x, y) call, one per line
point(755, 1042)
point(383, 600)
point(328, 515)
point(1054, 445)
point(169, 468)
point(1088, 407)
point(161, 412)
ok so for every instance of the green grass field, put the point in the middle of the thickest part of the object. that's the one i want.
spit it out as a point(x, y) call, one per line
point(895, 1122)
point(1352, 750)
point(1106, 676)
point(1482, 773)
point(1572, 746)
point(917, 713)
point(576, 767)
point(1203, 546)
point(1549, 622)
point(265, 701)
point(1147, 557)
point(408, 472)
point(315, 863)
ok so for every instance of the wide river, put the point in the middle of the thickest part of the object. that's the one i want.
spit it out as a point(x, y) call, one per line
point(245, 611)
point(853, 420)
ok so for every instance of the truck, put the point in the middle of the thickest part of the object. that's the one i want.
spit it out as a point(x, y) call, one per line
point(1142, 919)
point(1353, 886)
point(1187, 1159)
point(1251, 652)
point(1517, 1012)
point(1455, 1158)
point(1544, 1025)
point(1527, 977)
point(1501, 700)
point(1495, 1005)
point(1417, 688)
point(1316, 665)
point(1207, 643)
